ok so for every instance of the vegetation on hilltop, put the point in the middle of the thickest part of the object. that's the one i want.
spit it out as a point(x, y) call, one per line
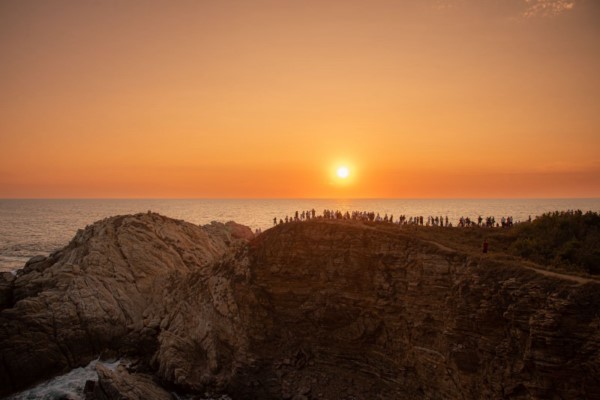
point(565, 241)
point(568, 239)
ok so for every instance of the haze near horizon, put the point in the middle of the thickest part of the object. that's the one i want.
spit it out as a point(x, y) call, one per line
point(432, 98)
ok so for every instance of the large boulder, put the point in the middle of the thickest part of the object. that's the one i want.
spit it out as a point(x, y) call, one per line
point(123, 385)
point(105, 293)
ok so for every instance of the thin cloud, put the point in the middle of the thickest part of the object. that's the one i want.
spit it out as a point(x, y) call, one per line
point(547, 8)
point(446, 4)
point(518, 8)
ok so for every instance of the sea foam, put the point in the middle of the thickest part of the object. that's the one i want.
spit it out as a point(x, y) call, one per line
point(68, 386)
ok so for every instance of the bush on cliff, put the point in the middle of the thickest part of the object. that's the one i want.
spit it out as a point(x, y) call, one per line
point(566, 239)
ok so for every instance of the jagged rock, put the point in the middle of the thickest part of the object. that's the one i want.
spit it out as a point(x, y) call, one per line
point(35, 260)
point(331, 309)
point(121, 385)
point(105, 290)
point(6, 289)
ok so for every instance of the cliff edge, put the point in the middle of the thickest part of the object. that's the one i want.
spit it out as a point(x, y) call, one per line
point(317, 309)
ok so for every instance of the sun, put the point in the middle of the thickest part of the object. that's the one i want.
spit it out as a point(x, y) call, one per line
point(343, 172)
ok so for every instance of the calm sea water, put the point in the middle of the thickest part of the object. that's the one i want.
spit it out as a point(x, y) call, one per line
point(32, 227)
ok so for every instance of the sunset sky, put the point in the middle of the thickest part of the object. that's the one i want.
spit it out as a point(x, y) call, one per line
point(261, 99)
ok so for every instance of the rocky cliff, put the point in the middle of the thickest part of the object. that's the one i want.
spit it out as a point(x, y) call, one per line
point(317, 309)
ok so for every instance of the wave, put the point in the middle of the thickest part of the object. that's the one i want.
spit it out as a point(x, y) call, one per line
point(71, 386)
point(68, 386)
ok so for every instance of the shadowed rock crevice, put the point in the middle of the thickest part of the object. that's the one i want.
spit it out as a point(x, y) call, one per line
point(318, 309)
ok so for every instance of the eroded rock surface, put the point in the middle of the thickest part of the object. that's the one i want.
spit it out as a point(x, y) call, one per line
point(318, 309)
point(122, 385)
point(105, 293)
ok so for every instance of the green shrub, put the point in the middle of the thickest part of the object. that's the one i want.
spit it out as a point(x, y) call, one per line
point(562, 238)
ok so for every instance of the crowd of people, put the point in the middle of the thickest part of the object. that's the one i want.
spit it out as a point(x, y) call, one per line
point(370, 216)
point(490, 222)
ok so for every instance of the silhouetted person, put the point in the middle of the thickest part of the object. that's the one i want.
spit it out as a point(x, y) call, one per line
point(485, 246)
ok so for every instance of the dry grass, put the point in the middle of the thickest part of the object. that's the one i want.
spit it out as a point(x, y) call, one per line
point(470, 242)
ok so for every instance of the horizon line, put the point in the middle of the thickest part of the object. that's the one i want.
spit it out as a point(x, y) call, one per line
point(299, 198)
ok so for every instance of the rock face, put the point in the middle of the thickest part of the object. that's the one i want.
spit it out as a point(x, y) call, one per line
point(6, 280)
point(318, 309)
point(105, 293)
point(123, 385)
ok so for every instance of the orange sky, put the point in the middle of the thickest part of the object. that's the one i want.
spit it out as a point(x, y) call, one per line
point(422, 98)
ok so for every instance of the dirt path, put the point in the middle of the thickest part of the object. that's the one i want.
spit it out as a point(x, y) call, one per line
point(440, 246)
point(573, 278)
point(580, 280)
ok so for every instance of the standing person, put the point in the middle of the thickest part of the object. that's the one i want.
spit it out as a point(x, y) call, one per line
point(485, 246)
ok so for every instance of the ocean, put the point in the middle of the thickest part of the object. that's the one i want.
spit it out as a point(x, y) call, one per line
point(39, 227)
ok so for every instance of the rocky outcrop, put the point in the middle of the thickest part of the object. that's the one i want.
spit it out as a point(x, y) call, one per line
point(103, 294)
point(369, 311)
point(317, 309)
point(6, 289)
point(121, 384)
